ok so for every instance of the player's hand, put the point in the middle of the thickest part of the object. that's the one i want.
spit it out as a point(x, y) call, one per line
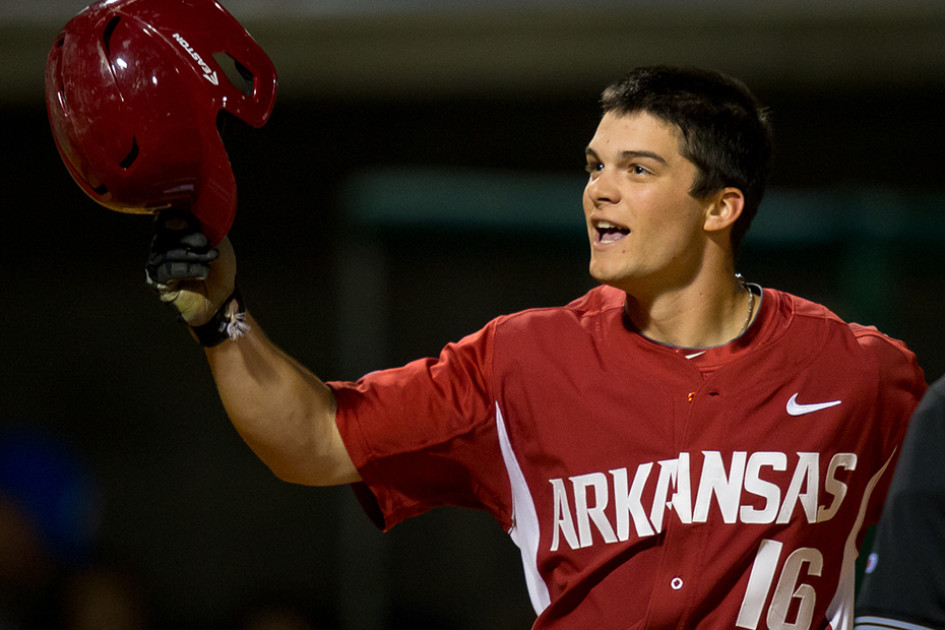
point(185, 271)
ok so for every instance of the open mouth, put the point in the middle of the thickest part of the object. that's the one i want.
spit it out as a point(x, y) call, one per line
point(608, 232)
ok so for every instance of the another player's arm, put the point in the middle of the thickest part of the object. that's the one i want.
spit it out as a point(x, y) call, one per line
point(284, 412)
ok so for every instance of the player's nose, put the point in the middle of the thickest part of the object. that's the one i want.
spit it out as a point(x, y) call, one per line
point(602, 188)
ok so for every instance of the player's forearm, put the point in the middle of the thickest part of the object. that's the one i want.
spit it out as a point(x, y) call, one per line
point(282, 410)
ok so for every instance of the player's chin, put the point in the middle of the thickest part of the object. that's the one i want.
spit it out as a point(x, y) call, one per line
point(605, 273)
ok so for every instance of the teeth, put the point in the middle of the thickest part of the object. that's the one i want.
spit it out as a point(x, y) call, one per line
point(607, 225)
point(610, 232)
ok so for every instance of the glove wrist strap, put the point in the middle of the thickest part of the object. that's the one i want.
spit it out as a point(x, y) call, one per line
point(229, 322)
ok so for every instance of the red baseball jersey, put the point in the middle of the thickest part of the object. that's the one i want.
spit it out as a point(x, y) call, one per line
point(649, 486)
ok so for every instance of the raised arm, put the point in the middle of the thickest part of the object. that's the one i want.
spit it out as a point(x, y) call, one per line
point(284, 412)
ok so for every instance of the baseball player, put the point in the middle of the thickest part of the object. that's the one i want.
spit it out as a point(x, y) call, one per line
point(904, 583)
point(677, 448)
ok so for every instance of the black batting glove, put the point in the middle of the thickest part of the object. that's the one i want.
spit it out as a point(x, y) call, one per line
point(185, 271)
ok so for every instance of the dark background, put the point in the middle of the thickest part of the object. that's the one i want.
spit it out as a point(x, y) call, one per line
point(854, 220)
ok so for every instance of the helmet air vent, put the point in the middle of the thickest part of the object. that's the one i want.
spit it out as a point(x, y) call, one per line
point(109, 29)
point(237, 74)
point(132, 155)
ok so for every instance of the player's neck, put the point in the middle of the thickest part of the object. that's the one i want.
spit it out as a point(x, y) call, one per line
point(701, 315)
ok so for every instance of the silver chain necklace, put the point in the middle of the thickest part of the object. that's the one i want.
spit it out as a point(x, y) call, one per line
point(751, 305)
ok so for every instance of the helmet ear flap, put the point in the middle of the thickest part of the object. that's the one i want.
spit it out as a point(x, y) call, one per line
point(214, 204)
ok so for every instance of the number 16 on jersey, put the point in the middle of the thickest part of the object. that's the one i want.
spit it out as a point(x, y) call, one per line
point(787, 589)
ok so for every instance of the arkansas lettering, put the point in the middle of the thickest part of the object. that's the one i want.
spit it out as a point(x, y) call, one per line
point(760, 487)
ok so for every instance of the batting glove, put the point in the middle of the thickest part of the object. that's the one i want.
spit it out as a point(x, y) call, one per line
point(188, 274)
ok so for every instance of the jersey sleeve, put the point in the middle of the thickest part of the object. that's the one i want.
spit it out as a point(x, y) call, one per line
point(424, 435)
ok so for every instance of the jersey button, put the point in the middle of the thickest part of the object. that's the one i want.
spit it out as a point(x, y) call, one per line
point(676, 583)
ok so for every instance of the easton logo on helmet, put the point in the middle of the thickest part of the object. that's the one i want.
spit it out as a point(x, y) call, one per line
point(208, 74)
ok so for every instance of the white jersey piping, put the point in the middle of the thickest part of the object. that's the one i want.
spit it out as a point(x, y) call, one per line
point(525, 532)
point(840, 610)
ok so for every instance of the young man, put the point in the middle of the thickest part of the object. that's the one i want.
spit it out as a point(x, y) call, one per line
point(677, 448)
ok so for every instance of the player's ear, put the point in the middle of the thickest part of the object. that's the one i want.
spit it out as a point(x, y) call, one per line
point(724, 208)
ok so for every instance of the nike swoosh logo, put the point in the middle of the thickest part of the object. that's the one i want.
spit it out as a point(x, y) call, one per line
point(795, 408)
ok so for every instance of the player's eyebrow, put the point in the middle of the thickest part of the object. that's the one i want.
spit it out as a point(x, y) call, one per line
point(629, 155)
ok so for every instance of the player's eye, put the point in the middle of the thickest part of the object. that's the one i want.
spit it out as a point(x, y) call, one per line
point(636, 169)
point(593, 167)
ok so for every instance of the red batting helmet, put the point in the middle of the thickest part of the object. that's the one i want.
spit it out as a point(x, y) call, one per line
point(134, 90)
